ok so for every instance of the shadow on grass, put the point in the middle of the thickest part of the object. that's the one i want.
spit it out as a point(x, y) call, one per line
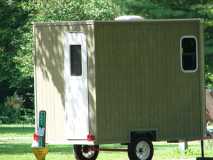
point(166, 146)
point(16, 130)
point(26, 148)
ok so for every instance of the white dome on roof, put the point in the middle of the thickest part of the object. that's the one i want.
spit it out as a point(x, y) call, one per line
point(129, 18)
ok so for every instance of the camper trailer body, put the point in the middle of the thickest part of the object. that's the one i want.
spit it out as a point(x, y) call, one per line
point(106, 82)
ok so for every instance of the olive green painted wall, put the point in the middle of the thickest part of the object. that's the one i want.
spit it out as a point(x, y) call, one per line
point(49, 74)
point(139, 82)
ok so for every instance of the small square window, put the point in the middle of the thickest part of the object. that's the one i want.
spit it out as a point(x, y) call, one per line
point(189, 53)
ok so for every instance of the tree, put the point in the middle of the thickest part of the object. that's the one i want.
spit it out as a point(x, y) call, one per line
point(16, 67)
point(12, 18)
point(67, 10)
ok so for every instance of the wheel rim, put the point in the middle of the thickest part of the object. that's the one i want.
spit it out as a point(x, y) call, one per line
point(88, 152)
point(143, 150)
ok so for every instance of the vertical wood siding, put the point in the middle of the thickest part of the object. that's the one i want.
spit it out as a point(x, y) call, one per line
point(139, 82)
point(135, 80)
point(49, 75)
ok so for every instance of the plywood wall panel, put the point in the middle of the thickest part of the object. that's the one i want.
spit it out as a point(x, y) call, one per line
point(49, 81)
point(139, 82)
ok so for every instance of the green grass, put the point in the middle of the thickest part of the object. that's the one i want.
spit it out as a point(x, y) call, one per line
point(15, 144)
point(11, 131)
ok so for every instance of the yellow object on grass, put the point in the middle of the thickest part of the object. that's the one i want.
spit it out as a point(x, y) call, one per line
point(40, 152)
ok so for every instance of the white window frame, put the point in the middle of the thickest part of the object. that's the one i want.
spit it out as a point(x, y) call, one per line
point(181, 54)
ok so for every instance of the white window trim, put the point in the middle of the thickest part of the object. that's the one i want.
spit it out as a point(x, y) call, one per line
point(67, 43)
point(181, 53)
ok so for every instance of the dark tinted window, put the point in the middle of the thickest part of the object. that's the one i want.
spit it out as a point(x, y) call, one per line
point(75, 60)
point(189, 49)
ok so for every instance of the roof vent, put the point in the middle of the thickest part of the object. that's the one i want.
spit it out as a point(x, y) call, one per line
point(129, 18)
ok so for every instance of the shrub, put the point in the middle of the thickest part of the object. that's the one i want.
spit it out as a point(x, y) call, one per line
point(12, 111)
point(8, 114)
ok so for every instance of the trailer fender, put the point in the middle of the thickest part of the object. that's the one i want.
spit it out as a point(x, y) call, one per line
point(149, 134)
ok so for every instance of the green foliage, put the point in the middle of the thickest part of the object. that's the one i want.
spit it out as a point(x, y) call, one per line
point(208, 77)
point(13, 19)
point(67, 10)
point(8, 114)
point(14, 101)
point(11, 115)
point(16, 67)
point(12, 111)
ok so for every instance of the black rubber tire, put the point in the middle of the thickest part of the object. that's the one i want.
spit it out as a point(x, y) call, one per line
point(79, 152)
point(132, 148)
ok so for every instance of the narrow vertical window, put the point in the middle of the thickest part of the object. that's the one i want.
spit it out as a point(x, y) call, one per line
point(189, 53)
point(75, 60)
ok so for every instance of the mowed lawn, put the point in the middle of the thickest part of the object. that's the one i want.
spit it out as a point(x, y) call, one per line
point(15, 144)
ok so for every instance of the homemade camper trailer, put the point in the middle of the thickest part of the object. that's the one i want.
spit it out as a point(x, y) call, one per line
point(120, 82)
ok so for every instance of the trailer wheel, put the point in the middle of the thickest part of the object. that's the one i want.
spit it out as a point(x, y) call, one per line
point(140, 149)
point(86, 152)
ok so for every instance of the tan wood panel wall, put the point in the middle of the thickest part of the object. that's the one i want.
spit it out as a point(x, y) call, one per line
point(49, 74)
